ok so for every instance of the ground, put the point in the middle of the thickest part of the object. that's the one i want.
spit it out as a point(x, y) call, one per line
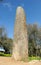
point(10, 61)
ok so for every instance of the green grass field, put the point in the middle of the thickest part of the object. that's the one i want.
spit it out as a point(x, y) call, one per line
point(34, 58)
point(6, 55)
point(29, 58)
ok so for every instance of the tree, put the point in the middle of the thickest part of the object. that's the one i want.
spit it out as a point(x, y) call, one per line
point(7, 44)
point(5, 41)
point(34, 37)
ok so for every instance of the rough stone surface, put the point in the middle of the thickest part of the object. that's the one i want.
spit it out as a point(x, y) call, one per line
point(20, 49)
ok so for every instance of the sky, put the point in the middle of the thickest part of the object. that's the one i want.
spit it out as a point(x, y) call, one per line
point(8, 8)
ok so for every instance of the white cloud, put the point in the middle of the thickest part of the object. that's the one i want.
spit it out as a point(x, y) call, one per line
point(8, 5)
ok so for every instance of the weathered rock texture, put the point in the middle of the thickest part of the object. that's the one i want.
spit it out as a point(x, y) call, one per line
point(20, 49)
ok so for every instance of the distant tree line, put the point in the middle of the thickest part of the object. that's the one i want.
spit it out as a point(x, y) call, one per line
point(34, 40)
point(5, 41)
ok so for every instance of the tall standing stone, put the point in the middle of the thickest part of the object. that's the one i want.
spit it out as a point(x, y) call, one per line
point(20, 49)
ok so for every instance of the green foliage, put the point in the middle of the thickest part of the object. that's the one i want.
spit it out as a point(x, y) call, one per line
point(34, 40)
point(5, 41)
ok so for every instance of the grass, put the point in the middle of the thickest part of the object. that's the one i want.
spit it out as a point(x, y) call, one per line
point(31, 58)
point(5, 55)
point(34, 58)
point(27, 59)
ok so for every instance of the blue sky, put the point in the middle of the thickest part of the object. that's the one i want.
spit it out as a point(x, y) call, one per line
point(8, 11)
